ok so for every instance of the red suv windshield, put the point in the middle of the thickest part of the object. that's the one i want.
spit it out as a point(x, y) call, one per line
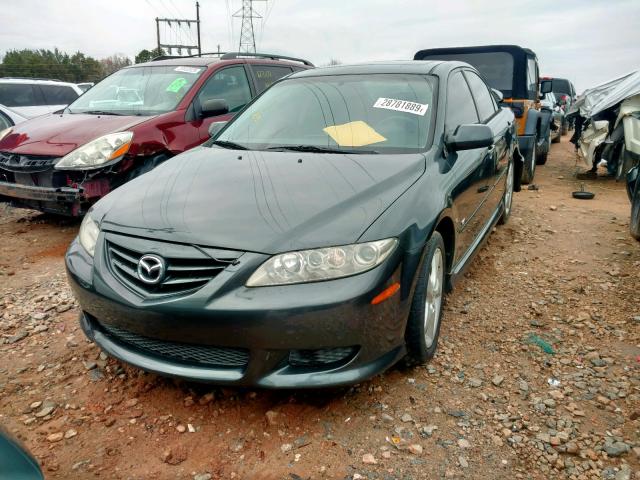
point(149, 90)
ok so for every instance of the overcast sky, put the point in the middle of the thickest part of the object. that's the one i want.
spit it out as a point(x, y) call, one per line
point(588, 41)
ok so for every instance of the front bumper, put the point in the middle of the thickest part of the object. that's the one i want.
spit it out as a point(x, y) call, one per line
point(32, 181)
point(271, 325)
point(43, 194)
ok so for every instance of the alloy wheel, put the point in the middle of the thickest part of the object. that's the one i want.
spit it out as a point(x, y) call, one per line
point(508, 195)
point(433, 302)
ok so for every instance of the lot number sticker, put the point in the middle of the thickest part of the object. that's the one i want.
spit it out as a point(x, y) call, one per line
point(401, 106)
point(186, 69)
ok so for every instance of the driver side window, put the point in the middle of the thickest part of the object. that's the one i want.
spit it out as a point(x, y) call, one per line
point(230, 84)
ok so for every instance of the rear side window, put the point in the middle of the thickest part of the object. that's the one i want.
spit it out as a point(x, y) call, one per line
point(532, 78)
point(18, 95)
point(560, 85)
point(230, 84)
point(482, 96)
point(460, 107)
point(5, 121)
point(496, 67)
point(58, 94)
point(267, 74)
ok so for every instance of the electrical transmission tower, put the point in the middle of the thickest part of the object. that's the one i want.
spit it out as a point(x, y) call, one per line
point(247, 37)
point(178, 23)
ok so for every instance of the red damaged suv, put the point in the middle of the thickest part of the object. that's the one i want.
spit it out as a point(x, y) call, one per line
point(127, 124)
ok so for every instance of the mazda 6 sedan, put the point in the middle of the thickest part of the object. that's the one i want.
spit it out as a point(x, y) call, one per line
point(310, 242)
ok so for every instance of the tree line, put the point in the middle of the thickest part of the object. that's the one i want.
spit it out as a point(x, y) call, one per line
point(76, 68)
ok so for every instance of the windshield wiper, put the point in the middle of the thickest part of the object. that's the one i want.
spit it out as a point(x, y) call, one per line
point(319, 149)
point(100, 112)
point(227, 144)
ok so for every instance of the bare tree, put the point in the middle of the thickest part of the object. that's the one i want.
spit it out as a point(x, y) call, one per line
point(114, 63)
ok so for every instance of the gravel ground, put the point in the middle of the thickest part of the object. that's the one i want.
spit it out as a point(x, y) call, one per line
point(537, 375)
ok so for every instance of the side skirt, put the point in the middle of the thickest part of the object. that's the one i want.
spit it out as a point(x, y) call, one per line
point(462, 265)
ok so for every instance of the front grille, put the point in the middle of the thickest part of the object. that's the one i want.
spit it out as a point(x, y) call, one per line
point(16, 162)
point(183, 275)
point(219, 357)
point(323, 357)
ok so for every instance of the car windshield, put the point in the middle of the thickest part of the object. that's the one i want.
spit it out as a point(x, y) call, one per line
point(150, 90)
point(338, 113)
point(495, 67)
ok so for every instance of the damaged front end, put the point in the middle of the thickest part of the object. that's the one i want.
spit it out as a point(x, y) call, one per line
point(70, 184)
point(32, 181)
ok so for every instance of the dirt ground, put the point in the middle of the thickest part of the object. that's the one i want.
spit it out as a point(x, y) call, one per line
point(537, 375)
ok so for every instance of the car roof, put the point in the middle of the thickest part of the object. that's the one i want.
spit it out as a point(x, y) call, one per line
point(41, 81)
point(434, 67)
point(236, 57)
point(512, 49)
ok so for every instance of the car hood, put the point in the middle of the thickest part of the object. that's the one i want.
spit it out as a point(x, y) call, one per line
point(266, 202)
point(59, 134)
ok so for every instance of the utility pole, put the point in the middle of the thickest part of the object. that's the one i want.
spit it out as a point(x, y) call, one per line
point(178, 22)
point(198, 27)
point(247, 37)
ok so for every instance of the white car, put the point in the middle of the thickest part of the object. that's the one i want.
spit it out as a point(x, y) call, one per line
point(9, 118)
point(31, 97)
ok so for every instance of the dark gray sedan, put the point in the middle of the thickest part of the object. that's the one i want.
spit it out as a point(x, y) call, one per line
point(312, 240)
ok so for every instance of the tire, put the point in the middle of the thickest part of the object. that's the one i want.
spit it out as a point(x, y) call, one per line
point(543, 153)
point(423, 331)
point(582, 195)
point(625, 163)
point(508, 195)
point(634, 222)
point(530, 162)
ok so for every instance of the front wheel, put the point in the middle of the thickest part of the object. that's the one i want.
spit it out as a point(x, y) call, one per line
point(423, 327)
point(634, 223)
point(508, 196)
point(529, 170)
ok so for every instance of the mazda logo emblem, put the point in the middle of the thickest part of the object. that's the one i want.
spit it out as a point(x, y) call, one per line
point(151, 269)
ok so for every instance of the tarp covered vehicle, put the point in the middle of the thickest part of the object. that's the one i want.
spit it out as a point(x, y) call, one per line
point(513, 71)
point(608, 128)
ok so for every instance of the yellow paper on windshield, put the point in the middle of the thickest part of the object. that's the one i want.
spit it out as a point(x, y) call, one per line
point(354, 134)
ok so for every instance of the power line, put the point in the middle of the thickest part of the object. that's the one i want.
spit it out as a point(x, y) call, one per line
point(247, 36)
point(172, 30)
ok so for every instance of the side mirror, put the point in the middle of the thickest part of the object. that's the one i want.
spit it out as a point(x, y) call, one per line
point(214, 107)
point(215, 127)
point(497, 94)
point(16, 462)
point(546, 86)
point(468, 137)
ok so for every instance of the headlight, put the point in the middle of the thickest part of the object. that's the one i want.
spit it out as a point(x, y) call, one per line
point(88, 235)
point(96, 153)
point(322, 264)
point(5, 132)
